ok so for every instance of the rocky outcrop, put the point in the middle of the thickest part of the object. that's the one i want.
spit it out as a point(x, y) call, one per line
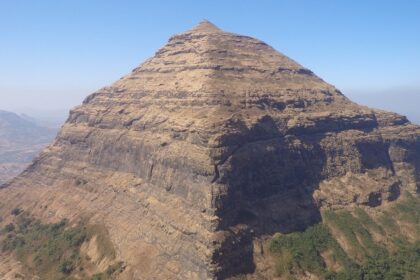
point(215, 141)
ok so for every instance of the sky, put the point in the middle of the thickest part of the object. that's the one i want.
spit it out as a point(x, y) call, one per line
point(55, 53)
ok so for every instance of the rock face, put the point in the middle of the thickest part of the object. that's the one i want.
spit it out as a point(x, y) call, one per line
point(215, 141)
point(20, 141)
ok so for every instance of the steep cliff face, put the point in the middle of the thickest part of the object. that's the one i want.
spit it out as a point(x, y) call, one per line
point(214, 142)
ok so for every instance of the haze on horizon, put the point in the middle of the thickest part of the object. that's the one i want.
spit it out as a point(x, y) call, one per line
point(53, 54)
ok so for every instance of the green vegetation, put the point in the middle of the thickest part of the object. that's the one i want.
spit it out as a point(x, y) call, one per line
point(302, 251)
point(404, 264)
point(317, 251)
point(409, 210)
point(299, 252)
point(389, 223)
point(356, 231)
point(110, 272)
point(52, 251)
point(367, 221)
point(16, 211)
point(9, 227)
point(105, 246)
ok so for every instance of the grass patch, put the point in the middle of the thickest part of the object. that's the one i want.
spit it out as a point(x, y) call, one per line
point(301, 251)
point(401, 265)
point(389, 223)
point(355, 231)
point(408, 210)
point(105, 246)
point(52, 251)
point(367, 221)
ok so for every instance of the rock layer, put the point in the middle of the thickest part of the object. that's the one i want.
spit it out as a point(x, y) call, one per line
point(215, 141)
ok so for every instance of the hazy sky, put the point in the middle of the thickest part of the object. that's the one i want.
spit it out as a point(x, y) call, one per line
point(54, 53)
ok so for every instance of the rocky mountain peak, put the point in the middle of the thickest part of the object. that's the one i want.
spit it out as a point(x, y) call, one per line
point(215, 142)
point(205, 26)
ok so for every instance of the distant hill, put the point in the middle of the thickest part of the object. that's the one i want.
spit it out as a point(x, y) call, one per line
point(402, 101)
point(21, 138)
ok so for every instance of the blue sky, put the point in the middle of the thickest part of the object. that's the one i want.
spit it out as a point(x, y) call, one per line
point(54, 53)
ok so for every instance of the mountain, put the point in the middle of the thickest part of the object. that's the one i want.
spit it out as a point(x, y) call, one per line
point(399, 100)
point(218, 158)
point(21, 139)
